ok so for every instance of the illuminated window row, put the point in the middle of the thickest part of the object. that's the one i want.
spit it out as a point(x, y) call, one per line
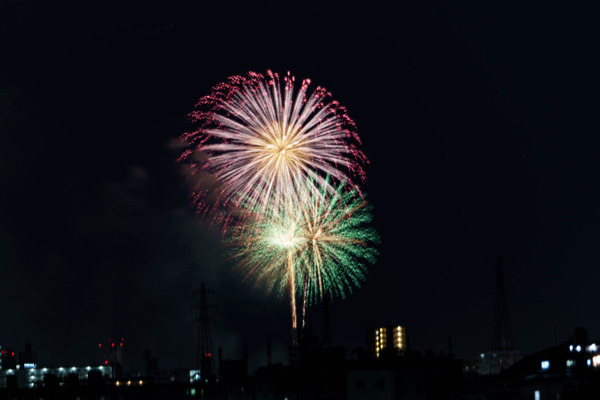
point(385, 337)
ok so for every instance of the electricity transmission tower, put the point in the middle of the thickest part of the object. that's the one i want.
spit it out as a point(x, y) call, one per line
point(504, 353)
point(204, 353)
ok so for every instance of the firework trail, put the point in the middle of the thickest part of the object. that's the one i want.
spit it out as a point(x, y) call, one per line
point(321, 246)
point(258, 139)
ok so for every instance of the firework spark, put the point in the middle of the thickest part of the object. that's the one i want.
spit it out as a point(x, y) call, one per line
point(258, 140)
point(322, 246)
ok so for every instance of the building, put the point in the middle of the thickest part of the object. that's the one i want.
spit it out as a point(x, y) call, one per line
point(569, 370)
point(495, 361)
point(412, 376)
point(26, 357)
point(30, 376)
point(387, 341)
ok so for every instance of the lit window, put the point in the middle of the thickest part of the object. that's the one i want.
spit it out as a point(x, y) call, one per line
point(545, 365)
point(589, 363)
point(570, 363)
point(578, 348)
point(592, 348)
point(596, 361)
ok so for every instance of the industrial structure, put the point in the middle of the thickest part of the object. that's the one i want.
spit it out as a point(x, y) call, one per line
point(111, 354)
point(204, 353)
point(503, 353)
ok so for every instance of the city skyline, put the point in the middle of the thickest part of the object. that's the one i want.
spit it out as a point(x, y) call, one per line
point(477, 121)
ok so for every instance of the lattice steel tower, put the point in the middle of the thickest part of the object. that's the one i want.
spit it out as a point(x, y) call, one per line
point(504, 352)
point(204, 353)
point(502, 338)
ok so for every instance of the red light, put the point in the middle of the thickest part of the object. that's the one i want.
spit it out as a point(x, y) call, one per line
point(13, 354)
point(105, 362)
point(99, 345)
point(121, 344)
point(208, 354)
point(113, 345)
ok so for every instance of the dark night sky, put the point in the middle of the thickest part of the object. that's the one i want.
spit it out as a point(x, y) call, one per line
point(480, 122)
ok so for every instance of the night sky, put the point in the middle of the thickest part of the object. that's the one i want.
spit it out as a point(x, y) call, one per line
point(480, 122)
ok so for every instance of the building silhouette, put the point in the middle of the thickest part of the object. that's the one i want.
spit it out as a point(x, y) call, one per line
point(386, 341)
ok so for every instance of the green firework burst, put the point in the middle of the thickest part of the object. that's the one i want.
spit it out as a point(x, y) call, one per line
point(322, 244)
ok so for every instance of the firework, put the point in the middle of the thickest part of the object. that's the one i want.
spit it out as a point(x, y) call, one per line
point(322, 246)
point(255, 138)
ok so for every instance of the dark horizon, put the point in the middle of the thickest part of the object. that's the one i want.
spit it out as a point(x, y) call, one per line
point(477, 119)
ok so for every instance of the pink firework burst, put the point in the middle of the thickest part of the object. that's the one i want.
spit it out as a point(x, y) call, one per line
point(256, 140)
